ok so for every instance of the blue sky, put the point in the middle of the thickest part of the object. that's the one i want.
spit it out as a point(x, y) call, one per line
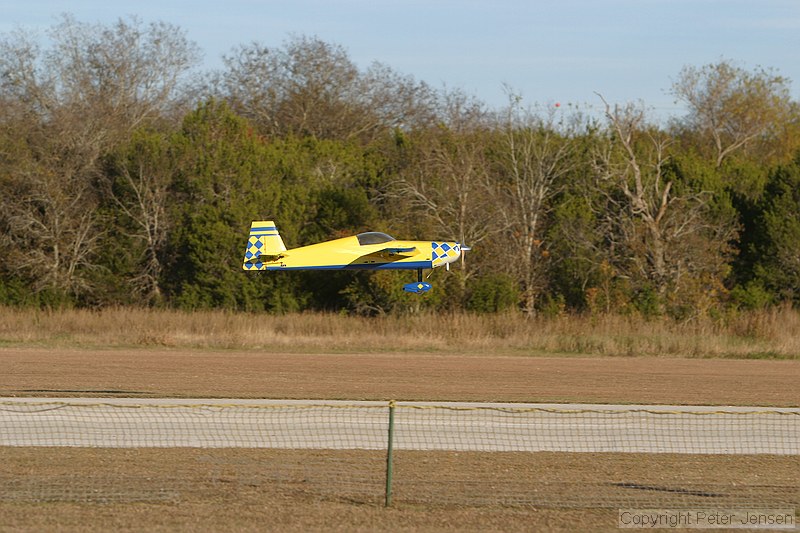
point(547, 51)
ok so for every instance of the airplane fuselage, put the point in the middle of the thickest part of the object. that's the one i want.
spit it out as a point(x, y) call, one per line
point(349, 254)
point(372, 250)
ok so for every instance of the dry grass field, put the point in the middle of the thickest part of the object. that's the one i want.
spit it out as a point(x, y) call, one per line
point(773, 334)
point(748, 360)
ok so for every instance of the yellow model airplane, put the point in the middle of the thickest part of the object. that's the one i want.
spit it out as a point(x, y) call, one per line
point(365, 251)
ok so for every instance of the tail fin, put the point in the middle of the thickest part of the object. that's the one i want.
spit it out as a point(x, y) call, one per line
point(264, 244)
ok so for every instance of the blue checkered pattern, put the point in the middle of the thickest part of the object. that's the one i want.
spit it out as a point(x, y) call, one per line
point(444, 252)
point(254, 246)
point(262, 241)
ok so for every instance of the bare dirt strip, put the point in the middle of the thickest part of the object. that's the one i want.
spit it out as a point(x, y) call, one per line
point(400, 376)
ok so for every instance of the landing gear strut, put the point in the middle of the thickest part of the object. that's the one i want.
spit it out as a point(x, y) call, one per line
point(418, 287)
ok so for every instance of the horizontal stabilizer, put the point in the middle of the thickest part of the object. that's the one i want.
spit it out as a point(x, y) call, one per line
point(271, 257)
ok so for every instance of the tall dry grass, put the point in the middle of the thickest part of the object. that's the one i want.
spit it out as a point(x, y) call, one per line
point(772, 333)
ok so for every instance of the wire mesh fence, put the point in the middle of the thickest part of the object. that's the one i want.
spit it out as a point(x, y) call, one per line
point(544, 456)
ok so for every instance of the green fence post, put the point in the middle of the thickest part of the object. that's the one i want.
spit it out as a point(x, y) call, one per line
point(389, 458)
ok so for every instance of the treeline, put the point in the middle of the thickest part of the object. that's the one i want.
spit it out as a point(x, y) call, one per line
point(129, 177)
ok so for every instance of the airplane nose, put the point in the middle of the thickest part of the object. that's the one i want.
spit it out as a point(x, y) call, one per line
point(462, 248)
point(445, 253)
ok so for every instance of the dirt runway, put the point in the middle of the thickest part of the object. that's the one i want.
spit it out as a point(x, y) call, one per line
point(400, 376)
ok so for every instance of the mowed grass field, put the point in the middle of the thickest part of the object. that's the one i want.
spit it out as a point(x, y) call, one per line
point(191, 489)
point(748, 360)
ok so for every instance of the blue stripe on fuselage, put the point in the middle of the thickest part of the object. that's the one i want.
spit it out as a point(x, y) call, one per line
point(372, 266)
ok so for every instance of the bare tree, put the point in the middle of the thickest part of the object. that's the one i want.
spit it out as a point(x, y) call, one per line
point(663, 237)
point(69, 106)
point(732, 107)
point(536, 153)
point(310, 87)
point(123, 74)
point(139, 188)
point(450, 184)
point(49, 227)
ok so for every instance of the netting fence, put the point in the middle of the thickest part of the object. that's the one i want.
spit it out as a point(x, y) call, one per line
point(382, 452)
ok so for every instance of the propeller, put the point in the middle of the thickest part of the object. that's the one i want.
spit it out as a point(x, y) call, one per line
point(464, 249)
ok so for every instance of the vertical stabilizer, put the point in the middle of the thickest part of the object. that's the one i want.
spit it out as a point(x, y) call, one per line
point(264, 243)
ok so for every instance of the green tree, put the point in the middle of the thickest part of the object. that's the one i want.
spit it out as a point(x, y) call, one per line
point(223, 181)
point(778, 249)
point(744, 123)
point(492, 293)
point(580, 255)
